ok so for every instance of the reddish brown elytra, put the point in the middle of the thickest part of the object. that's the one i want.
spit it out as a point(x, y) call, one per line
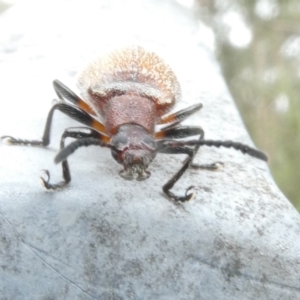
point(124, 96)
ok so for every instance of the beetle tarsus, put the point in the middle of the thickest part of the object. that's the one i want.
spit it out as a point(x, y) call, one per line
point(14, 141)
point(210, 167)
point(188, 196)
point(49, 186)
point(45, 182)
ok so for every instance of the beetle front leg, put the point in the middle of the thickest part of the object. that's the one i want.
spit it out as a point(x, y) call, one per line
point(179, 132)
point(76, 133)
point(170, 147)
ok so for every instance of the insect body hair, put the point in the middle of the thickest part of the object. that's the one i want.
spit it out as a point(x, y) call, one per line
point(131, 70)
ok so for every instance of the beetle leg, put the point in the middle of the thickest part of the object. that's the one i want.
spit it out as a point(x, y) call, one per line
point(186, 131)
point(63, 92)
point(170, 147)
point(71, 111)
point(181, 147)
point(85, 138)
point(210, 167)
point(178, 116)
point(179, 132)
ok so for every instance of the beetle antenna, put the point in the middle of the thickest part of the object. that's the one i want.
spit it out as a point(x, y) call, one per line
point(229, 144)
point(71, 148)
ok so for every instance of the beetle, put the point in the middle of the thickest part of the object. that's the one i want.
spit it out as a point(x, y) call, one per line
point(125, 94)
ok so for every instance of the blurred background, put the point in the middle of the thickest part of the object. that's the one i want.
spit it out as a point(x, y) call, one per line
point(258, 45)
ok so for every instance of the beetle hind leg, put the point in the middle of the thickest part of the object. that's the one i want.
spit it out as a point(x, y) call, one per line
point(14, 141)
point(177, 117)
point(210, 167)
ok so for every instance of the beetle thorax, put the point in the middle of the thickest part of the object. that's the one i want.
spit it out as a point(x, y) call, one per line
point(129, 108)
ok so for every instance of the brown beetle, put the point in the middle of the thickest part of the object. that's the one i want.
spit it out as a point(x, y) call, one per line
point(126, 94)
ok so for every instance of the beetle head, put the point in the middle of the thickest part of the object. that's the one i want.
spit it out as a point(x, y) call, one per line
point(134, 148)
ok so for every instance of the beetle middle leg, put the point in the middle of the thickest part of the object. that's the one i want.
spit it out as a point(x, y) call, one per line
point(179, 132)
point(78, 110)
point(71, 111)
point(175, 131)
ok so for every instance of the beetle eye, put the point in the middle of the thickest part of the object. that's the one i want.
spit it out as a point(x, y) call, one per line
point(122, 139)
point(115, 154)
point(119, 141)
point(149, 142)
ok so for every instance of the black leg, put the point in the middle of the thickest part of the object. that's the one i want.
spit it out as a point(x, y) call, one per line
point(71, 111)
point(180, 147)
point(186, 131)
point(177, 117)
point(86, 137)
point(170, 147)
point(63, 92)
point(209, 167)
point(179, 132)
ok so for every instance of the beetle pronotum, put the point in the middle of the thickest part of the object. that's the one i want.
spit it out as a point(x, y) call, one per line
point(124, 96)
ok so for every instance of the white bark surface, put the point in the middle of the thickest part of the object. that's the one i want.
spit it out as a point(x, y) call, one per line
point(106, 238)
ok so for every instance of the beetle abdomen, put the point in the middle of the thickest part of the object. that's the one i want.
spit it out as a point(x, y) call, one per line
point(131, 70)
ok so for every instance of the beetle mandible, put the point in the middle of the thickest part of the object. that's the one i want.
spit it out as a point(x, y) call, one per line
point(124, 96)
